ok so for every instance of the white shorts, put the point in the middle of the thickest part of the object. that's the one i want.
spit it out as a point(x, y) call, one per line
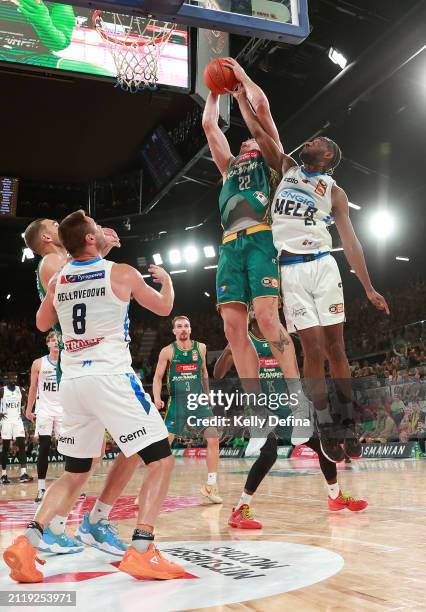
point(312, 294)
point(117, 403)
point(47, 425)
point(10, 430)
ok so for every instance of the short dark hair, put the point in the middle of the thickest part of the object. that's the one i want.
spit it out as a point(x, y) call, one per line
point(32, 235)
point(73, 230)
point(180, 317)
point(334, 148)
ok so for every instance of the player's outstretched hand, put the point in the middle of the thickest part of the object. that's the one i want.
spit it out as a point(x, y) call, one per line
point(240, 73)
point(159, 275)
point(378, 301)
point(111, 238)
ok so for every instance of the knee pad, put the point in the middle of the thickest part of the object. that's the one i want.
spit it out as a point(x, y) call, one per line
point(77, 465)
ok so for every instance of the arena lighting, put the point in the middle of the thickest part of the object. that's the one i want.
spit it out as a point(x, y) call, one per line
point(210, 267)
point(206, 293)
point(162, 232)
point(175, 256)
point(190, 227)
point(399, 258)
point(27, 254)
point(355, 206)
point(8, 296)
point(190, 254)
point(353, 271)
point(337, 57)
point(146, 275)
point(336, 249)
point(382, 224)
point(158, 260)
point(178, 271)
point(209, 251)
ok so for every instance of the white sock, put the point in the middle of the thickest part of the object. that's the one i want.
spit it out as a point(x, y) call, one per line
point(244, 499)
point(99, 511)
point(57, 524)
point(211, 478)
point(41, 484)
point(23, 470)
point(333, 490)
point(3, 473)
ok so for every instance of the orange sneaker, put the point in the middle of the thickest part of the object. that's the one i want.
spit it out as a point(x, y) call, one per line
point(149, 564)
point(344, 500)
point(243, 518)
point(21, 558)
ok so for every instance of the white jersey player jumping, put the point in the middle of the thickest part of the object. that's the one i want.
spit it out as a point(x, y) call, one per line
point(12, 427)
point(44, 394)
point(306, 201)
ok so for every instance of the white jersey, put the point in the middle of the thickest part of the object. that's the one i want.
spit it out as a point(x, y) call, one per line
point(48, 403)
point(301, 212)
point(11, 403)
point(94, 321)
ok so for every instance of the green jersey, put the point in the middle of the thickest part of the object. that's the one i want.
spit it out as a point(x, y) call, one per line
point(248, 180)
point(184, 374)
point(42, 294)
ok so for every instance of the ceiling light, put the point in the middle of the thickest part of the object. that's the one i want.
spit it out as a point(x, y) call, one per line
point(178, 271)
point(206, 293)
point(399, 258)
point(210, 267)
point(337, 57)
point(158, 260)
point(382, 224)
point(209, 251)
point(355, 206)
point(8, 296)
point(27, 254)
point(174, 256)
point(190, 253)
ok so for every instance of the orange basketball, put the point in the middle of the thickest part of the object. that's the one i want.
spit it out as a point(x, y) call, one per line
point(218, 77)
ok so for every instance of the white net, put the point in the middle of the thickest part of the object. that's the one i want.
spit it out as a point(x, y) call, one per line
point(136, 44)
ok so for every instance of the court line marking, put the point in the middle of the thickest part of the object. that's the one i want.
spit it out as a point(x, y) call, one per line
point(382, 547)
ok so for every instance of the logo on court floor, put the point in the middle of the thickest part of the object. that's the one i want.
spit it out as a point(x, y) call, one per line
point(217, 573)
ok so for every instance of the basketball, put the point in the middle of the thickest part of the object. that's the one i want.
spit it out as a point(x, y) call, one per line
point(219, 78)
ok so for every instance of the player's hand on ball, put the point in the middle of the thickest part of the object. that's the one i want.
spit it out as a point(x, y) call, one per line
point(111, 237)
point(240, 73)
point(159, 404)
point(378, 301)
point(159, 275)
point(238, 93)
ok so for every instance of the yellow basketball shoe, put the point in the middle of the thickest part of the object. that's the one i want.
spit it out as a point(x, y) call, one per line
point(211, 492)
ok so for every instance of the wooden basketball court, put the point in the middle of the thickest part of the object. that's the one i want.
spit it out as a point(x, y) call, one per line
point(304, 558)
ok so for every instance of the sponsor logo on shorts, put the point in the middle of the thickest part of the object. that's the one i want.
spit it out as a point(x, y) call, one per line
point(299, 311)
point(261, 197)
point(336, 308)
point(221, 290)
point(71, 346)
point(321, 187)
point(66, 440)
point(186, 367)
point(291, 179)
point(339, 285)
point(269, 281)
point(78, 278)
point(307, 243)
point(133, 436)
point(87, 362)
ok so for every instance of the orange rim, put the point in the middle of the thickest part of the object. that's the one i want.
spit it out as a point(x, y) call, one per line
point(97, 20)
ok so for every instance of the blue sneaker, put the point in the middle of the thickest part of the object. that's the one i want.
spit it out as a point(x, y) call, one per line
point(61, 544)
point(102, 535)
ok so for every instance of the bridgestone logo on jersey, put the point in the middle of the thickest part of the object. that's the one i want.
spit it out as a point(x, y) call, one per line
point(133, 436)
point(78, 278)
point(186, 367)
point(268, 362)
point(71, 346)
point(83, 293)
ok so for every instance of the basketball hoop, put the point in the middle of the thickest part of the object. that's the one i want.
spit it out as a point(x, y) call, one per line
point(135, 44)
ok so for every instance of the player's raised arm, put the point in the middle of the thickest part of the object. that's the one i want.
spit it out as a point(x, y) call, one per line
point(46, 314)
point(257, 99)
point(163, 361)
point(224, 363)
point(205, 374)
point(352, 247)
point(32, 391)
point(219, 146)
point(127, 282)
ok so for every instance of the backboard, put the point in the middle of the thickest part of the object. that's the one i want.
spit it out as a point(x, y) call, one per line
point(281, 20)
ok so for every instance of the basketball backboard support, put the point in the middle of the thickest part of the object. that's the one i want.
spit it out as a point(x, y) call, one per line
point(281, 20)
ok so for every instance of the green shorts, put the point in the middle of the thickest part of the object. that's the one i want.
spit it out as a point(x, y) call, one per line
point(247, 268)
point(176, 419)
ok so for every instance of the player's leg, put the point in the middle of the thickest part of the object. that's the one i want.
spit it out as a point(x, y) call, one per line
point(43, 430)
point(242, 515)
point(211, 490)
point(337, 500)
point(21, 555)
point(5, 453)
point(136, 425)
point(19, 436)
point(341, 373)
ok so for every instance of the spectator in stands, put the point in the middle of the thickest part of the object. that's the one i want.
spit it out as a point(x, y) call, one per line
point(397, 408)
